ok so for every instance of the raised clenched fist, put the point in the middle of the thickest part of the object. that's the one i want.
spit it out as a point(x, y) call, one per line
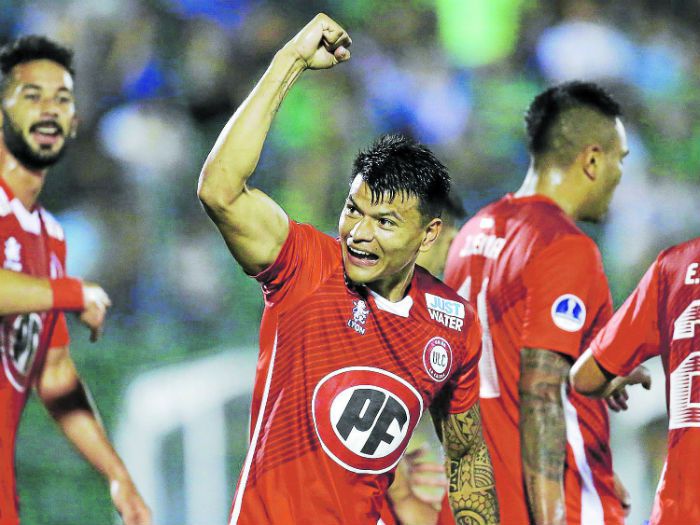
point(321, 44)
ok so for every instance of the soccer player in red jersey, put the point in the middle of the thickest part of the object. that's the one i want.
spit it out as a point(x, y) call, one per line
point(541, 295)
point(661, 317)
point(356, 342)
point(38, 118)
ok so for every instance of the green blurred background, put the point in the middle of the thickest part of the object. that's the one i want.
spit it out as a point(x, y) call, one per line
point(157, 80)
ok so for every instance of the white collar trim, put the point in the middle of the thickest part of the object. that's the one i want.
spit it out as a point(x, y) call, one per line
point(29, 220)
point(401, 308)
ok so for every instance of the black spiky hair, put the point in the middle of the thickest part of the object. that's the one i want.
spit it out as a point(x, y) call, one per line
point(396, 165)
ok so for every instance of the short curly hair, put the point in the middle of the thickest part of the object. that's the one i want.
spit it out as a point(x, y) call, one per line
point(33, 47)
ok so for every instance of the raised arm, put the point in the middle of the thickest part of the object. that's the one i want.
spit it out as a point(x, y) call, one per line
point(472, 489)
point(67, 400)
point(253, 225)
point(543, 374)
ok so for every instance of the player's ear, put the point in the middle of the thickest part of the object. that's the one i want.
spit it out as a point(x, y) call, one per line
point(431, 232)
point(590, 159)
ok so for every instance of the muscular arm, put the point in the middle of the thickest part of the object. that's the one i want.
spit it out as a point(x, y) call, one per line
point(62, 392)
point(543, 433)
point(253, 225)
point(472, 490)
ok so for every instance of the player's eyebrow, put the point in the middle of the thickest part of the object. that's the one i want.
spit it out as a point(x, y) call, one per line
point(62, 89)
point(377, 215)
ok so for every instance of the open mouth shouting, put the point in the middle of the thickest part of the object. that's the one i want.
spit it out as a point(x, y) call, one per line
point(46, 133)
point(361, 257)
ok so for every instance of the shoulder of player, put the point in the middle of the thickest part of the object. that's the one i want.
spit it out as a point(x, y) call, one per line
point(570, 245)
point(550, 221)
point(679, 255)
point(309, 232)
point(427, 282)
point(438, 296)
point(53, 227)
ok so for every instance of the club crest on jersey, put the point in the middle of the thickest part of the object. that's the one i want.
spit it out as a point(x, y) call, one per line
point(569, 313)
point(360, 312)
point(13, 258)
point(364, 418)
point(437, 358)
point(445, 311)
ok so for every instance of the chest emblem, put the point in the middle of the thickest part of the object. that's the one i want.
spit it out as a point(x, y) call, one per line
point(437, 359)
point(360, 312)
point(364, 417)
point(13, 259)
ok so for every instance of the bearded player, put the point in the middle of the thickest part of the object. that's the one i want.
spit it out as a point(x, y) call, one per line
point(356, 341)
point(541, 296)
point(38, 118)
point(661, 317)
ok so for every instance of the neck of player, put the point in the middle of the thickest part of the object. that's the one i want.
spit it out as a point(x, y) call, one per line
point(552, 182)
point(25, 184)
point(395, 287)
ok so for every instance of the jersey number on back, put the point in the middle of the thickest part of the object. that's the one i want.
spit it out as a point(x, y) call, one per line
point(488, 374)
point(684, 390)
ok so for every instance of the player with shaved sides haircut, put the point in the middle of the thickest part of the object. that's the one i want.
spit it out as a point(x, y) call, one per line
point(541, 295)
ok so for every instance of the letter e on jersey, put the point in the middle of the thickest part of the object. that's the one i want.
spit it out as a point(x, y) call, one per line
point(364, 417)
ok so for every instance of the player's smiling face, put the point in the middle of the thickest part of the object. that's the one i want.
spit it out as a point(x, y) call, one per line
point(381, 240)
point(38, 112)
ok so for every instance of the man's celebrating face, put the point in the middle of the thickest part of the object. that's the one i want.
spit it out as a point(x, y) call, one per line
point(38, 112)
point(381, 239)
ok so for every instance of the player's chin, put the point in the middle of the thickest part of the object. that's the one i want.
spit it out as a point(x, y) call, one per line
point(361, 274)
point(595, 217)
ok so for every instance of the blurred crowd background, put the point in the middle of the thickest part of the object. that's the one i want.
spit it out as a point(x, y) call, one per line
point(157, 80)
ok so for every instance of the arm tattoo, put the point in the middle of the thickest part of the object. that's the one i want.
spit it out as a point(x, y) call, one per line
point(472, 488)
point(543, 430)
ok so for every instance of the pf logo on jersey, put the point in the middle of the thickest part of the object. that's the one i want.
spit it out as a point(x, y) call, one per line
point(437, 358)
point(569, 313)
point(364, 417)
point(19, 341)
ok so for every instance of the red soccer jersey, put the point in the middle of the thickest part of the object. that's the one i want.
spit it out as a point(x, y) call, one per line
point(32, 242)
point(661, 317)
point(538, 282)
point(343, 378)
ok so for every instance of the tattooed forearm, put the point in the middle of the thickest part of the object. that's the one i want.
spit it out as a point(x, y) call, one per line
point(543, 432)
point(472, 489)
